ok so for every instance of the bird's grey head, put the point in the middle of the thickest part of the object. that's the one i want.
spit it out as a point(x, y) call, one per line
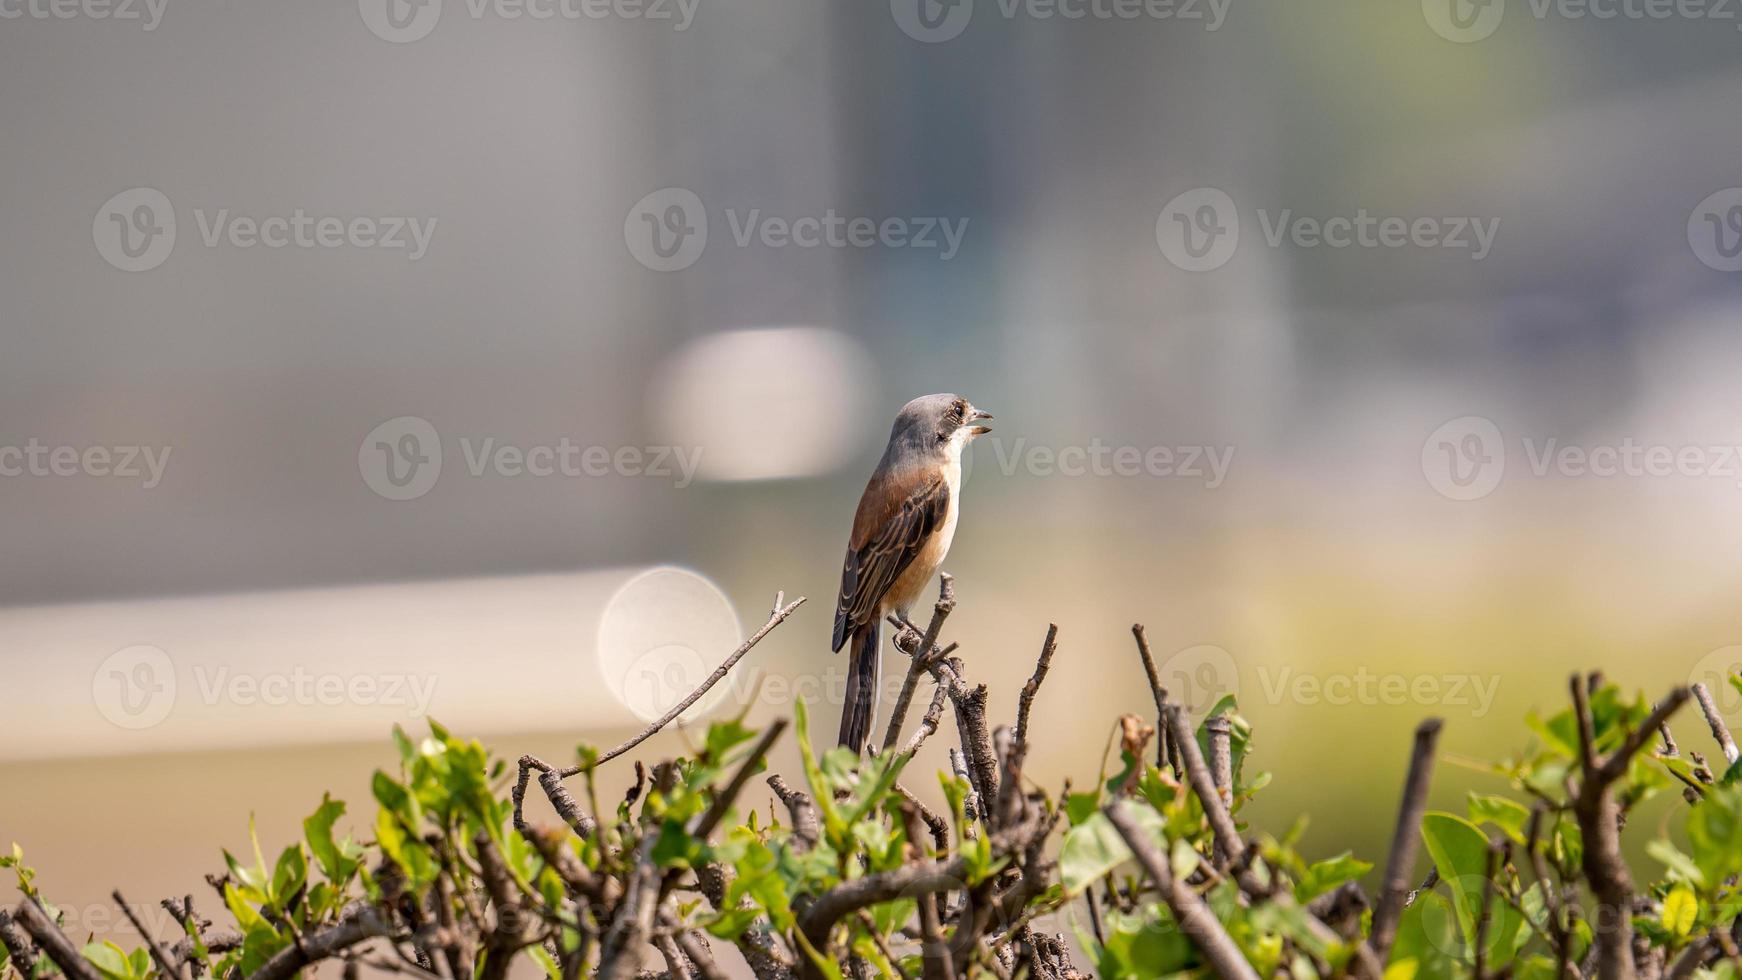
point(933, 426)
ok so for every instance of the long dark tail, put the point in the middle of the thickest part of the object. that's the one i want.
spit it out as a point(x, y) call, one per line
point(860, 708)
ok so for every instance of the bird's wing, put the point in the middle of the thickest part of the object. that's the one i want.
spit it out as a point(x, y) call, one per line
point(892, 525)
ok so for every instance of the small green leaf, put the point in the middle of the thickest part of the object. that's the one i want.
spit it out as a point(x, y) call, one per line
point(108, 958)
point(1323, 876)
point(1680, 909)
point(1509, 816)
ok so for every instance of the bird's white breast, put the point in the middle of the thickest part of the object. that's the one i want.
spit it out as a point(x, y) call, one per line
point(907, 588)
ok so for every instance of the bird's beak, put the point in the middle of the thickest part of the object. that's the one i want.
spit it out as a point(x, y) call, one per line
point(975, 416)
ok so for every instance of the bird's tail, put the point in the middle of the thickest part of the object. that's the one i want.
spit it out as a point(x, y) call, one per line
point(863, 670)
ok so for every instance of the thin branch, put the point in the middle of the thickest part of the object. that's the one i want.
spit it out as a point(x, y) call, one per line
point(928, 725)
point(1198, 772)
point(1156, 691)
point(775, 619)
point(1400, 864)
point(1194, 917)
point(920, 660)
point(806, 826)
point(1030, 689)
point(935, 959)
point(362, 924)
point(158, 953)
point(675, 962)
point(54, 943)
point(18, 945)
point(1715, 721)
point(723, 800)
point(1599, 823)
point(1484, 917)
point(692, 947)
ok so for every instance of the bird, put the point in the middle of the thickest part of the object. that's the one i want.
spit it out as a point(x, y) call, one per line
point(901, 533)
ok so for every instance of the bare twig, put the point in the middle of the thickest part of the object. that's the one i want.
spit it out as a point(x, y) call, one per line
point(54, 943)
point(928, 725)
point(17, 945)
point(158, 953)
point(1156, 691)
point(1484, 914)
point(1715, 721)
point(361, 924)
point(777, 617)
point(1399, 865)
point(805, 824)
point(1599, 823)
point(692, 947)
point(935, 959)
point(1194, 917)
point(920, 660)
point(1030, 689)
point(1198, 773)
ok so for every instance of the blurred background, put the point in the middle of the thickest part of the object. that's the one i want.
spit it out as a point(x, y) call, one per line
point(500, 360)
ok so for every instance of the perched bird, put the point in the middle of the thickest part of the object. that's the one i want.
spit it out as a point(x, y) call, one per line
point(901, 532)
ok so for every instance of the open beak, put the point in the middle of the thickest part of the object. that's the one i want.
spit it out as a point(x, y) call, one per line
point(975, 416)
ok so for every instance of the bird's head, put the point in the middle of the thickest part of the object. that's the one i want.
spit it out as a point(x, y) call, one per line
point(939, 423)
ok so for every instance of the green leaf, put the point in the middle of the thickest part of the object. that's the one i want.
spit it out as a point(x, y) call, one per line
point(1094, 847)
point(1714, 827)
point(288, 875)
point(1081, 806)
point(1509, 816)
point(723, 736)
point(1323, 876)
point(1460, 851)
point(1680, 909)
point(318, 829)
point(1679, 864)
point(108, 958)
point(543, 958)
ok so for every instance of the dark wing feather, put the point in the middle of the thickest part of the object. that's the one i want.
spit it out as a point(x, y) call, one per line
point(892, 525)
